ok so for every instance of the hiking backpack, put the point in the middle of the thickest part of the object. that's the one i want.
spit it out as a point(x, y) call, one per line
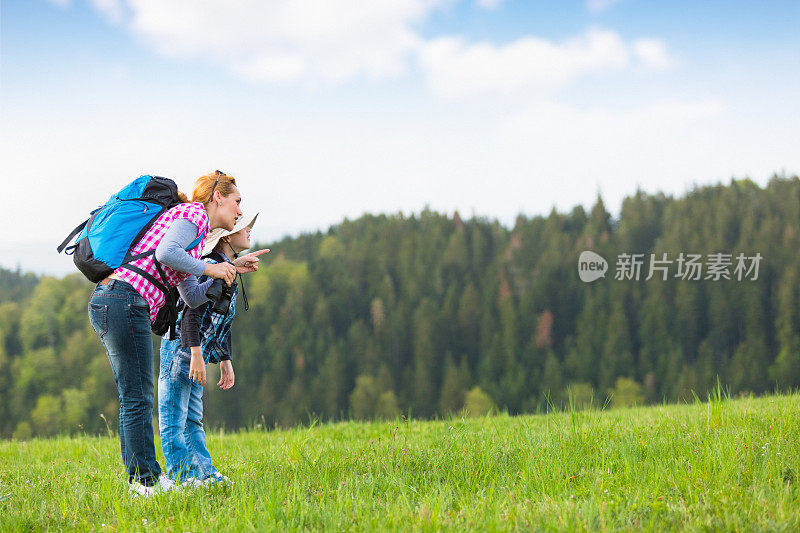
point(105, 239)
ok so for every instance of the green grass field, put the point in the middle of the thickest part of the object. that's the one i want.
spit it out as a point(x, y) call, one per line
point(721, 465)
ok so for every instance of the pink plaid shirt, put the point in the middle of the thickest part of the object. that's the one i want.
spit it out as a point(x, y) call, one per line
point(194, 212)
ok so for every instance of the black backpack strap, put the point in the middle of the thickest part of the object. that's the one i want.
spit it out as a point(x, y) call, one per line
point(160, 271)
point(169, 297)
point(139, 256)
point(170, 302)
point(77, 230)
point(149, 277)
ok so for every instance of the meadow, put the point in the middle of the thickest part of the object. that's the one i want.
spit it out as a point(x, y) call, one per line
point(722, 464)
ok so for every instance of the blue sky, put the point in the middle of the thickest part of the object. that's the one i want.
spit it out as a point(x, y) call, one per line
point(326, 110)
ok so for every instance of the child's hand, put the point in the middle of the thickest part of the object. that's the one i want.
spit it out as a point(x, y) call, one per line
point(226, 375)
point(197, 367)
point(248, 262)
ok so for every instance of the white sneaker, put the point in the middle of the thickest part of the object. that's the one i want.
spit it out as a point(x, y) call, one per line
point(222, 479)
point(215, 478)
point(163, 485)
point(191, 483)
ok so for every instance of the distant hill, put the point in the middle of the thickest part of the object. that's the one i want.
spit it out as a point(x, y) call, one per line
point(392, 314)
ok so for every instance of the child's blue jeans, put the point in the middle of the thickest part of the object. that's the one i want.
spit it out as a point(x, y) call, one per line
point(180, 416)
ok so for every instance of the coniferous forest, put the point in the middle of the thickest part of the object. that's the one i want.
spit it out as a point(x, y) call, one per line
point(433, 314)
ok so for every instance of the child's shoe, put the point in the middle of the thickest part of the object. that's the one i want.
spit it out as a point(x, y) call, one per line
point(217, 478)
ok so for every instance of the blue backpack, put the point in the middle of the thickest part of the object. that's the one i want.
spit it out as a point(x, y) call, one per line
point(105, 239)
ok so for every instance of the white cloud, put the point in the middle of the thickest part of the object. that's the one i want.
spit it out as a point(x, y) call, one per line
point(653, 54)
point(333, 41)
point(282, 40)
point(338, 40)
point(112, 9)
point(456, 68)
point(598, 6)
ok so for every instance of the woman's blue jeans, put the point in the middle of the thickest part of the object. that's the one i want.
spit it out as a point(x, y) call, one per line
point(121, 318)
point(180, 416)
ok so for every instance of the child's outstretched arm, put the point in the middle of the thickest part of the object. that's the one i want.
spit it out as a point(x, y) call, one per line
point(248, 262)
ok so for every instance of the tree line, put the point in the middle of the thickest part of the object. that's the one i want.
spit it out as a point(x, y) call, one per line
point(430, 314)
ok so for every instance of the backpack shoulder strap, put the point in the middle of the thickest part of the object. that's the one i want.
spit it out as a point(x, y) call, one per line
point(196, 242)
point(149, 277)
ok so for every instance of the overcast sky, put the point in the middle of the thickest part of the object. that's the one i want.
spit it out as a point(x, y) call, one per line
point(325, 109)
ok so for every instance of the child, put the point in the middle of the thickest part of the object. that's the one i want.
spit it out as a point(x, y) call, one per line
point(204, 337)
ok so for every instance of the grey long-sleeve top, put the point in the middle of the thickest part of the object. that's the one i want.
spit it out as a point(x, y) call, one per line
point(171, 251)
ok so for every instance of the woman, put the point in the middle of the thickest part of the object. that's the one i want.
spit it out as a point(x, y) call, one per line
point(205, 337)
point(124, 304)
